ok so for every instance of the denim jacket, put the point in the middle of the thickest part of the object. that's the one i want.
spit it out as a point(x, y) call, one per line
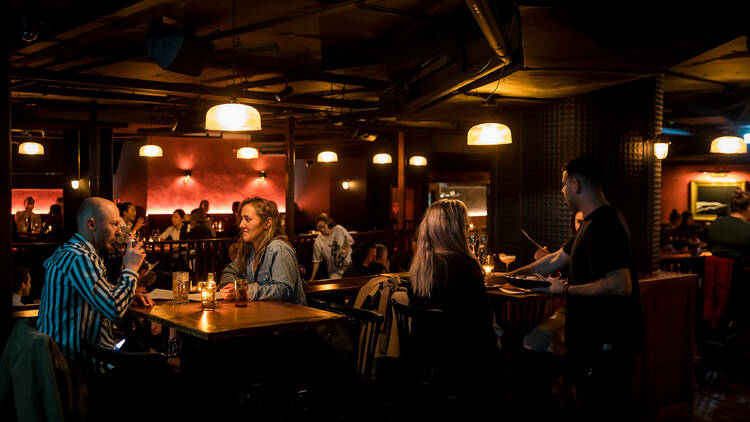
point(278, 275)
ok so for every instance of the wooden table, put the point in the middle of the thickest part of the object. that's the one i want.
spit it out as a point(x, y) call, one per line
point(228, 321)
point(346, 285)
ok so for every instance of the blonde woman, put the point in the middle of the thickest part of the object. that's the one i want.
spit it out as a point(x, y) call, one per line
point(264, 256)
point(444, 274)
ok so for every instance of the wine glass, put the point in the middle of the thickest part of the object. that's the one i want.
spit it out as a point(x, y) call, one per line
point(507, 260)
point(488, 263)
point(473, 242)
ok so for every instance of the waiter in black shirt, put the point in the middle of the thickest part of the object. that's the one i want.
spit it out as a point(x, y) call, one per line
point(602, 323)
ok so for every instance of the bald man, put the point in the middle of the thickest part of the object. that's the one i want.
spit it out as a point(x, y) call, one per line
point(78, 303)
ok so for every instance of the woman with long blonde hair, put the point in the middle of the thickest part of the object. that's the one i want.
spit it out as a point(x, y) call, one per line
point(264, 257)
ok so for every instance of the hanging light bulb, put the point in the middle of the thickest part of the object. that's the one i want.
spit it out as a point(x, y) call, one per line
point(150, 151)
point(489, 134)
point(75, 183)
point(232, 117)
point(728, 145)
point(31, 148)
point(247, 153)
point(417, 160)
point(328, 157)
point(382, 159)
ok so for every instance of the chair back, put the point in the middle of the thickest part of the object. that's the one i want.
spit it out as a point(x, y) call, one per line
point(418, 330)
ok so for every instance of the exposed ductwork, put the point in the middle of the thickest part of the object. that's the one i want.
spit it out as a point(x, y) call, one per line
point(483, 15)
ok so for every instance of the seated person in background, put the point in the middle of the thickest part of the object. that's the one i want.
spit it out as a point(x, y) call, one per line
point(234, 221)
point(198, 227)
point(674, 219)
point(26, 220)
point(78, 303)
point(445, 274)
point(266, 258)
point(575, 224)
point(363, 262)
point(21, 285)
point(333, 245)
point(128, 223)
point(729, 236)
point(382, 257)
point(173, 232)
point(52, 229)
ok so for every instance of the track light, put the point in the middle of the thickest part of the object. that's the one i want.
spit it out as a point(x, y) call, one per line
point(283, 94)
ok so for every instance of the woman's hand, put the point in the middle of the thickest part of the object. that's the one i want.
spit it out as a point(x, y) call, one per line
point(227, 292)
point(138, 224)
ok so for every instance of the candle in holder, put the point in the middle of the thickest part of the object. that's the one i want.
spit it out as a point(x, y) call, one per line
point(208, 298)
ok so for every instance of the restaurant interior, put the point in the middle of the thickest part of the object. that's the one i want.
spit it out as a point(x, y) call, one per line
point(369, 111)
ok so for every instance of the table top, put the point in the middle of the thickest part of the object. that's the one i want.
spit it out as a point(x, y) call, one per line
point(228, 321)
point(682, 255)
point(346, 284)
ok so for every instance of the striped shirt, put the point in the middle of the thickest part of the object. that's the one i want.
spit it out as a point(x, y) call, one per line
point(77, 300)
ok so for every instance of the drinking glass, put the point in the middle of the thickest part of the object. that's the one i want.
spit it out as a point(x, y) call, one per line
point(240, 293)
point(179, 288)
point(488, 264)
point(507, 260)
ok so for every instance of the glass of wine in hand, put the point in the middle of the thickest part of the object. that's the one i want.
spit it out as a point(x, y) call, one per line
point(507, 260)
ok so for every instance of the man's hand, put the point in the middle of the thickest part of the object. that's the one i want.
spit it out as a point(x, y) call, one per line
point(555, 287)
point(541, 253)
point(495, 278)
point(133, 257)
point(142, 298)
point(227, 292)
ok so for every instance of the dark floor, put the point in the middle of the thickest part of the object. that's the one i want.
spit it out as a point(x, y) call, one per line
point(725, 397)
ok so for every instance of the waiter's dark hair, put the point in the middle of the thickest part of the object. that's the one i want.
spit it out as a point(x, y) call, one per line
point(740, 200)
point(586, 167)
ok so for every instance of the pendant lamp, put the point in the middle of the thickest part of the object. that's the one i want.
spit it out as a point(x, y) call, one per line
point(31, 148)
point(328, 157)
point(728, 145)
point(150, 151)
point(489, 134)
point(382, 159)
point(247, 153)
point(417, 160)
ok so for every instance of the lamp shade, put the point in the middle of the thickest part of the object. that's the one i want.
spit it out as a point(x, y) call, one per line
point(232, 117)
point(417, 160)
point(150, 151)
point(728, 145)
point(489, 134)
point(327, 157)
point(31, 148)
point(247, 153)
point(382, 159)
point(75, 183)
point(661, 149)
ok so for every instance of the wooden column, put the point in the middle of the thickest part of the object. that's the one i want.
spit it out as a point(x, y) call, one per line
point(6, 261)
point(290, 230)
point(94, 155)
point(401, 188)
point(106, 166)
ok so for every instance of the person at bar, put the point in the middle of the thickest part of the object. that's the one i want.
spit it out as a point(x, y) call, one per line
point(52, 229)
point(21, 285)
point(78, 303)
point(26, 220)
point(363, 262)
point(265, 257)
point(602, 321)
point(729, 236)
point(197, 228)
point(173, 232)
point(333, 245)
point(128, 223)
point(445, 274)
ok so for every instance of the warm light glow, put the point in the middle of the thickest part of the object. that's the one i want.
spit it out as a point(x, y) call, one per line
point(327, 157)
point(417, 160)
point(747, 138)
point(247, 153)
point(74, 184)
point(150, 151)
point(232, 117)
point(382, 159)
point(718, 177)
point(346, 184)
point(661, 149)
point(489, 134)
point(217, 211)
point(477, 213)
point(728, 145)
point(31, 148)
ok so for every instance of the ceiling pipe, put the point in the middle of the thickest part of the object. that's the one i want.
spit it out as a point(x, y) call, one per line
point(483, 15)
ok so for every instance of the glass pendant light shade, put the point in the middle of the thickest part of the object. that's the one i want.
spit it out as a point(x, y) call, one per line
point(417, 160)
point(489, 134)
point(247, 153)
point(328, 157)
point(31, 148)
point(232, 117)
point(728, 145)
point(382, 159)
point(150, 151)
point(75, 183)
point(661, 149)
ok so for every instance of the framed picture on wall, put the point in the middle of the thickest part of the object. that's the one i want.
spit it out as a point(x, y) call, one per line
point(710, 199)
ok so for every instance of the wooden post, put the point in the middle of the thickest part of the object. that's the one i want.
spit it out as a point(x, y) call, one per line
point(401, 188)
point(94, 156)
point(290, 231)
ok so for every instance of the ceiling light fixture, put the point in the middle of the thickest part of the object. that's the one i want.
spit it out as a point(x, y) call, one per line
point(489, 134)
point(382, 159)
point(232, 116)
point(328, 157)
point(728, 145)
point(417, 160)
point(283, 94)
point(247, 153)
point(31, 148)
point(150, 151)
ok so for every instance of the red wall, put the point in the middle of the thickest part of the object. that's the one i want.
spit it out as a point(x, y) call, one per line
point(675, 184)
point(217, 175)
point(43, 198)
